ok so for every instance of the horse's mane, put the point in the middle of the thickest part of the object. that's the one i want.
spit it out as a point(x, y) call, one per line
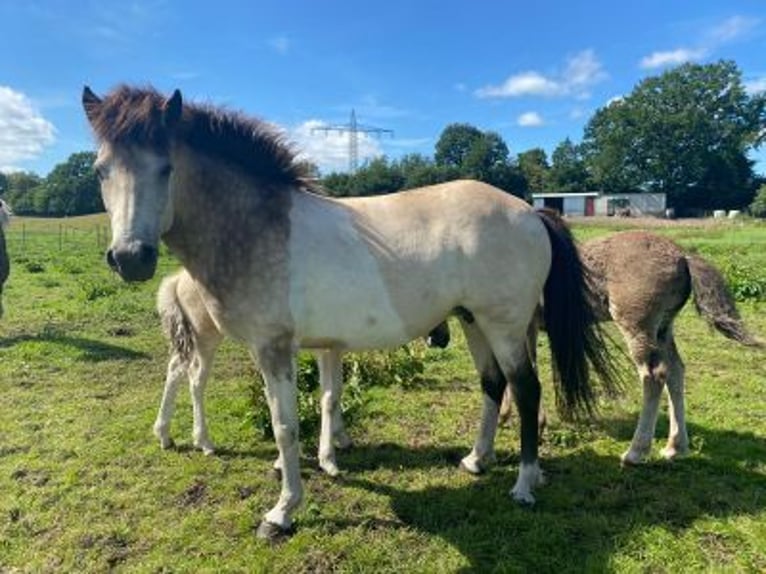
point(130, 115)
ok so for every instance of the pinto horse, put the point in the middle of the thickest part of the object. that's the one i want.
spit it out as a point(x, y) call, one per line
point(281, 267)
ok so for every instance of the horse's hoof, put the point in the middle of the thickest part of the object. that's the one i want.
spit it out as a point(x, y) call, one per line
point(167, 444)
point(471, 466)
point(631, 458)
point(525, 498)
point(330, 468)
point(672, 453)
point(273, 532)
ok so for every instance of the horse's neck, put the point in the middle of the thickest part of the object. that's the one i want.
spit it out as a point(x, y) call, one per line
point(224, 223)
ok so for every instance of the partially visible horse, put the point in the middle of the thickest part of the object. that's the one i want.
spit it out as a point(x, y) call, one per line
point(5, 264)
point(194, 338)
point(642, 281)
point(282, 268)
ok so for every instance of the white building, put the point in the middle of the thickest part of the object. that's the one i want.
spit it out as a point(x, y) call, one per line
point(595, 203)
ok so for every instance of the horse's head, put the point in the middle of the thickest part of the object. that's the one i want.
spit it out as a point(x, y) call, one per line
point(134, 131)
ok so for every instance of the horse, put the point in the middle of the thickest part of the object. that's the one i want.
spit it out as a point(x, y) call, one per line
point(642, 281)
point(5, 264)
point(194, 339)
point(282, 267)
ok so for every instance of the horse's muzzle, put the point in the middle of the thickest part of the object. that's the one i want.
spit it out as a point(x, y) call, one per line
point(134, 262)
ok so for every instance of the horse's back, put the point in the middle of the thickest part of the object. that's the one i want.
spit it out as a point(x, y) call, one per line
point(403, 261)
point(644, 276)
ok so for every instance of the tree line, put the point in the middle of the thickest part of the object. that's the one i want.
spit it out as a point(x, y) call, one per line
point(685, 133)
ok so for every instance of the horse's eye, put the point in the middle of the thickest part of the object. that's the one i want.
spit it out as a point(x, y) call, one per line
point(166, 171)
point(100, 172)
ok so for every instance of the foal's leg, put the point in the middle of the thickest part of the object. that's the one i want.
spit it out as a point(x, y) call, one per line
point(493, 384)
point(199, 373)
point(678, 439)
point(331, 383)
point(647, 357)
point(276, 358)
point(177, 367)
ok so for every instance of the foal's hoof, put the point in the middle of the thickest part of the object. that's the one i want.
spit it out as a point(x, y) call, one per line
point(672, 453)
point(273, 532)
point(167, 443)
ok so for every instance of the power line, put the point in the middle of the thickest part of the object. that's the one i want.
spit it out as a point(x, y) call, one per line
point(353, 129)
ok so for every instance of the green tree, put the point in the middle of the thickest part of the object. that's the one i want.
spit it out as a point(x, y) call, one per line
point(21, 187)
point(455, 143)
point(685, 133)
point(3, 183)
point(568, 172)
point(534, 167)
point(758, 207)
point(72, 188)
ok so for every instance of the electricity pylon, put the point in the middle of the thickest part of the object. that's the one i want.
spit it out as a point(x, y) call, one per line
point(353, 129)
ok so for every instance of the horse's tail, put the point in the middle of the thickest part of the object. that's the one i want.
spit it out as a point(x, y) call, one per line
point(573, 332)
point(715, 303)
point(175, 324)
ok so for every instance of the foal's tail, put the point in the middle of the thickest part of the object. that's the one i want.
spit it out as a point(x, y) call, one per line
point(715, 303)
point(175, 323)
point(570, 321)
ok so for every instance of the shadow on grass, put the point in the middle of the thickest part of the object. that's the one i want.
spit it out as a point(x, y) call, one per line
point(90, 350)
point(590, 508)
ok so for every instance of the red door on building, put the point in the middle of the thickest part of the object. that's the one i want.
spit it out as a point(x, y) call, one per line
point(590, 206)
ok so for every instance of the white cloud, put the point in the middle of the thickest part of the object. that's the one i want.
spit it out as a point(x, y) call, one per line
point(671, 58)
point(582, 71)
point(530, 120)
point(24, 132)
point(330, 151)
point(756, 85)
point(524, 84)
point(733, 28)
point(280, 44)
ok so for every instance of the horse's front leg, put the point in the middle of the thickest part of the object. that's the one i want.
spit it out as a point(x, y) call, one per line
point(277, 362)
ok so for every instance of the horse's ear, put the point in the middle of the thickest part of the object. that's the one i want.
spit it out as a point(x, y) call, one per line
point(171, 111)
point(90, 103)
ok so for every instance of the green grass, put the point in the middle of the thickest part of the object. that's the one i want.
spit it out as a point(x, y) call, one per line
point(84, 486)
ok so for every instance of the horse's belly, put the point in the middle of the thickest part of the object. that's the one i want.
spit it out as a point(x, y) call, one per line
point(355, 316)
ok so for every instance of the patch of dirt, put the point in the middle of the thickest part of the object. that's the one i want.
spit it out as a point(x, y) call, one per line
point(193, 495)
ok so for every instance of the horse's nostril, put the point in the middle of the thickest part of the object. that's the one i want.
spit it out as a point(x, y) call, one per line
point(147, 254)
point(110, 260)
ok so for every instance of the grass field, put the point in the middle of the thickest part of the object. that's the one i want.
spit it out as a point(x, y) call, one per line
point(84, 486)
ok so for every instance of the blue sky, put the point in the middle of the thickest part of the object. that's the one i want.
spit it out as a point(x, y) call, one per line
point(532, 71)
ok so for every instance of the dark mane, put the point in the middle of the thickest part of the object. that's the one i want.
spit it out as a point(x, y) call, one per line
point(131, 115)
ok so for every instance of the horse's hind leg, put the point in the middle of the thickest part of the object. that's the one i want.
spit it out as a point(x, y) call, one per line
point(678, 439)
point(493, 384)
point(199, 373)
point(177, 367)
point(332, 429)
point(516, 362)
point(647, 357)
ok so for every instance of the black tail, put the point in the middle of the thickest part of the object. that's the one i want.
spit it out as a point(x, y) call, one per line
point(570, 321)
point(715, 303)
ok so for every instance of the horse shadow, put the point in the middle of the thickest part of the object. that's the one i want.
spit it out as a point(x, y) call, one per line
point(89, 350)
point(589, 509)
